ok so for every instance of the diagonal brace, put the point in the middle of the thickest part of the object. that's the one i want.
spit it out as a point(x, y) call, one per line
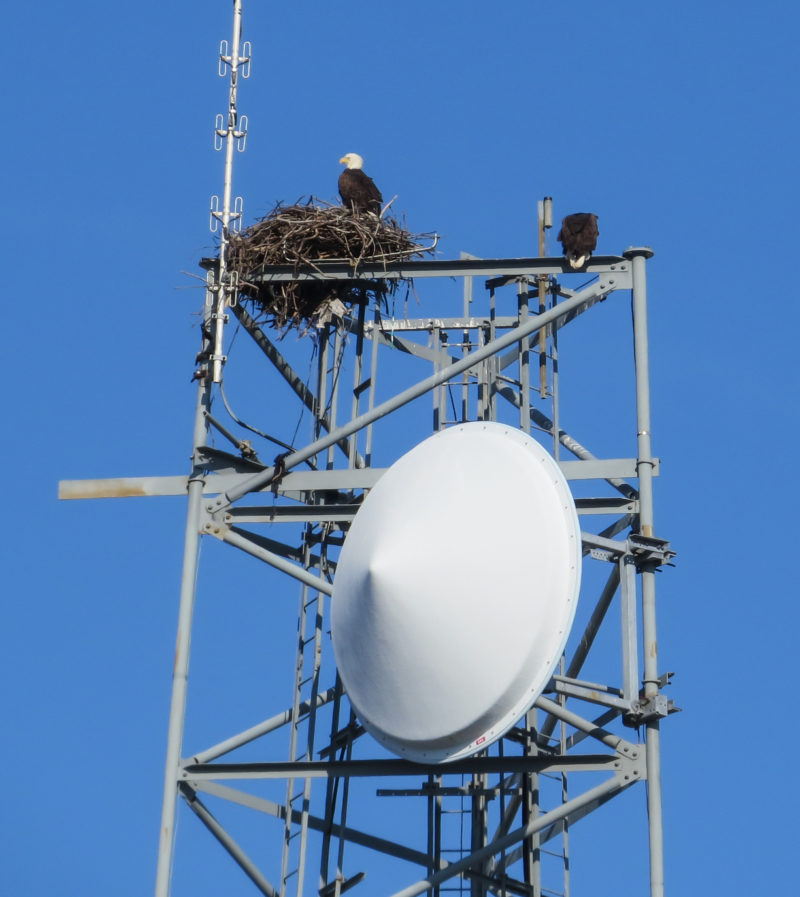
point(241, 858)
point(258, 481)
point(629, 773)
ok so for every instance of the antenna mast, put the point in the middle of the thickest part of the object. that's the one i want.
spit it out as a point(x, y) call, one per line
point(232, 134)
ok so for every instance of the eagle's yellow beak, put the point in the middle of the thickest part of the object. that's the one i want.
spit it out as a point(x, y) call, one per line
point(344, 159)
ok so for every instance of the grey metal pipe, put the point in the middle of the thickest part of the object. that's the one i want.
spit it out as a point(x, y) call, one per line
point(645, 462)
point(644, 467)
point(180, 672)
point(357, 368)
point(268, 725)
point(320, 769)
point(616, 742)
point(226, 293)
point(373, 380)
point(275, 560)
point(466, 266)
point(260, 480)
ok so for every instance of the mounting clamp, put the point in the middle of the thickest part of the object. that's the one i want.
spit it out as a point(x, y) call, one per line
point(648, 551)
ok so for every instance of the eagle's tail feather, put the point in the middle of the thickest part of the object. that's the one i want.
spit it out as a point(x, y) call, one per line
point(578, 261)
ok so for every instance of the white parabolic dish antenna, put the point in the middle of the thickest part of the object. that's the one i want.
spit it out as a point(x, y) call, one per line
point(455, 591)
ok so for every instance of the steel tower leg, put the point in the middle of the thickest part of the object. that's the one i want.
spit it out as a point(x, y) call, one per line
point(180, 673)
point(645, 465)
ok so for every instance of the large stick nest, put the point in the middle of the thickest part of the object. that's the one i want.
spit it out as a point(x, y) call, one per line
point(305, 233)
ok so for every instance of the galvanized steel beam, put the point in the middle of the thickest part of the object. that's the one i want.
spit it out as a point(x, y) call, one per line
point(307, 480)
point(398, 767)
point(652, 680)
point(257, 731)
point(336, 269)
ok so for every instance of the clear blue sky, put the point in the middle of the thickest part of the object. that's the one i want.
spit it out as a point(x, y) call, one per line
point(677, 123)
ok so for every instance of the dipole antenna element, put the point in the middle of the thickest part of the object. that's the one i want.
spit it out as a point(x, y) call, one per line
point(230, 133)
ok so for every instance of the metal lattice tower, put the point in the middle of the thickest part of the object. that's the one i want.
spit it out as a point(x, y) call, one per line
point(498, 822)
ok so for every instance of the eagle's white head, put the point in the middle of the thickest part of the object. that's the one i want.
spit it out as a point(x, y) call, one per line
point(352, 160)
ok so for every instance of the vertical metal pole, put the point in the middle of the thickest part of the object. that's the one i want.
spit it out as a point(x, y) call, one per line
point(357, 370)
point(644, 466)
point(524, 360)
point(435, 344)
point(545, 208)
point(431, 827)
point(348, 755)
point(336, 369)
point(441, 346)
point(322, 380)
point(493, 363)
point(437, 834)
point(231, 134)
point(562, 700)
point(645, 463)
point(482, 371)
point(180, 673)
point(465, 349)
point(630, 645)
point(556, 415)
point(373, 377)
point(531, 846)
point(479, 830)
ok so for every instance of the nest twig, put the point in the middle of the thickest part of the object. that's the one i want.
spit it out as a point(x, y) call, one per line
point(305, 233)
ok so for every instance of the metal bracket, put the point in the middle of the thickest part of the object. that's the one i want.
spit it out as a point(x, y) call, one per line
point(343, 884)
point(649, 551)
point(631, 768)
point(657, 707)
point(241, 134)
point(601, 548)
point(213, 524)
point(602, 554)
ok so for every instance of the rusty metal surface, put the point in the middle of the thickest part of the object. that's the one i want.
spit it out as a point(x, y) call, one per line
point(122, 487)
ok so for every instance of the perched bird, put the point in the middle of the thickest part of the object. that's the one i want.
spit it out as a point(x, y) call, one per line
point(578, 237)
point(358, 190)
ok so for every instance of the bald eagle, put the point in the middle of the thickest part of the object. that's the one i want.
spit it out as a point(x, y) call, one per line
point(578, 236)
point(358, 191)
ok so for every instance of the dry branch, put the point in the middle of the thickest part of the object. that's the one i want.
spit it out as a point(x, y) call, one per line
point(308, 232)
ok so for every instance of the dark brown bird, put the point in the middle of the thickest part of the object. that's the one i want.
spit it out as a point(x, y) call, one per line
point(358, 190)
point(578, 237)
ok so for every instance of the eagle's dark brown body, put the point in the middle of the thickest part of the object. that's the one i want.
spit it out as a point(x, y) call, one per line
point(578, 237)
point(358, 191)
